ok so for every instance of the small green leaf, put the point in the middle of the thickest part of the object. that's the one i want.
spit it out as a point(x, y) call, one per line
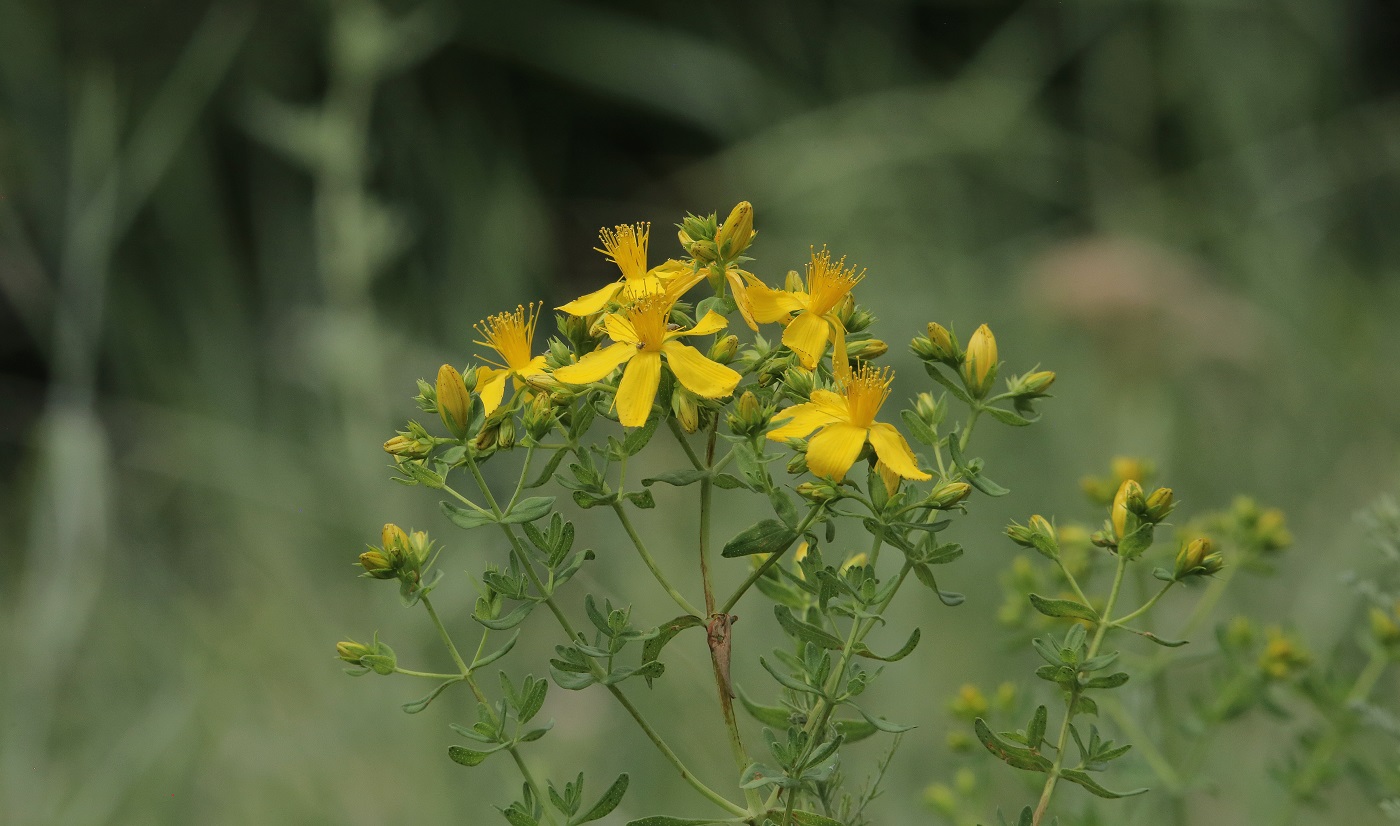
point(862, 651)
point(881, 723)
point(497, 654)
point(467, 757)
point(805, 632)
point(422, 703)
point(1063, 608)
point(776, 716)
point(1018, 757)
point(1151, 636)
point(767, 537)
point(810, 819)
point(637, 439)
point(1035, 731)
point(1111, 681)
point(1083, 779)
point(679, 478)
point(958, 393)
point(662, 820)
point(528, 510)
point(854, 730)
point(667, 631)
point(514, 618)
point(918, 428)
point(1007, 417)
point(726, 481)
point(549, 468)
point(463, 518)
point(642, 499)
point(606, 803)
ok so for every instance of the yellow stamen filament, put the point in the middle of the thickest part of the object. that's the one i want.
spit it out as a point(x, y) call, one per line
point(650, 317)
point(865, 392)
point(511, 334)
point(828, 281)
point(626, 246)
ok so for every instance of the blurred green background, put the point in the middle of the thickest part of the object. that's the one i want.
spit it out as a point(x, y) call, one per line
point(232, 235)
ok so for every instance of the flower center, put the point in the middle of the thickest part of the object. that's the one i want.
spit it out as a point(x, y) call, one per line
point(829, 281)
point(866, 391)
point(626, 246)
point(650, 316)
point(512, 334)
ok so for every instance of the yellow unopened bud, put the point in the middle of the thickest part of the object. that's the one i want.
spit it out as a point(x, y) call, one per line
point(845, 310)
point(405, 446)
point(949, 494)
point(454, 403)
point(1159, 505)
point(929, 410)
point(1385, 628)
point(1034, 384)
point(1196, 558)
point(392, 537)
point(350, 651)
point(377, 565)
point(737, 232)
point(793, 282)
point(1282, 656)
point(1129, 493)
point(979, 368)
point(944, 349)
point(505, 434)
point(969, 703)
point(815, 492)
point(857, 561)
point(868, 349)
point(686, 409)
point(724, 350)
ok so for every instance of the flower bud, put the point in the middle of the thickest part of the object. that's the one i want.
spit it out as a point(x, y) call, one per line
point(686, 409)
point(1159, 505)
point(391, 536)
point(860, 320)
point(737, 231)
point(867, 350)
point(748, 417)
point(944, 349)
point(454, 403)
point(408, 447)
point(351, 651)
point(949, 494)
point(1384, 628)
point(1038, 534)
point(538, 417)
point(793, 282)
point(930, 410)
point(505, 434)
point(857, 561)
point(845, 310)
point(816, 492)
point(797, 464)
point(1283, 657)
point(1197, 559)
point(1127, 504)
point(979, 368)
point(486, 439)
point(376, 565)
point(725, 349)
point(1033, 385)
point(799, 382)
point(970, 703)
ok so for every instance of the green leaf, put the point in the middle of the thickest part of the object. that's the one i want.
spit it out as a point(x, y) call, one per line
point(726, 481)
point(862, 651)
point(497, 654)
point(810, 819)
point(665, 632)
point(679, 478)
point(549, 468)
point(767, 537)
point(937, 375)
point(467, 757)
point(783, 506)
point(1018, 757)
point(463, 518)
point(1151, 636)
point(1083, 779)
point(1035, 730)
point(881, 723)
point(606, 803)
point(1063, 608)
point(533, 699)
point(775, 716)
point(637, 439)
point(662, 820)
point(805, 632)
point(1111, 681)
point(918, 428)
point(422, 703)
point(528, 510)
point(853, 730)
point(1007, 417)
point(1136, 543)
point(514, 618)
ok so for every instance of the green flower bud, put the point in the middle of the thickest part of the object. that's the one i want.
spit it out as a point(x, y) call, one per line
point(797, 464)
point(538, 417)
point(377, 565)
point(1197, 559)
point(816, 492)
point(686, 409)
point(1385, 628)
point(949, 494)
point(407, 447)
point(737, 233)
point(1159, 505)
point(724, 350)
point(454, 403)
point(860, 320)
point(867, 350)
point(351, 652)
point(943, 347)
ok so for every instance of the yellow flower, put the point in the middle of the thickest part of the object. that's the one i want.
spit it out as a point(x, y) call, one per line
point(846, 421)
point(642, 334)
point(815, 302)
point(511, 335)
point(626, 246)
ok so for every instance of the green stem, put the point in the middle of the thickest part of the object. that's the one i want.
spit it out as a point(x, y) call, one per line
point(1146, 606)
point(967, 430)
point(651, 562)
point(429, 674)
point(1143, 744)
point(524, 472)
point(768, 563)
point(685, 443)
point(1063, 739)
point(573, 635)
point(1073, 583)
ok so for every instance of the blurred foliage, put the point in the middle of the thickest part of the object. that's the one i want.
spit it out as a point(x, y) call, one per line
point(230, 235)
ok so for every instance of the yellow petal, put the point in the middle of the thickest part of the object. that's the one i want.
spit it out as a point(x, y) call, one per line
point(890, 446)
point(832, 451)
point(770, 305)
point(840, 363)
point(824, 408)
point(534, 368)
point(807, 336)
point(593, 302)
point(491, 387)
point(596, 365)
point(713, 322)
point(698, 374)
point(741, 295)
point(637, 389)
point(620, 329)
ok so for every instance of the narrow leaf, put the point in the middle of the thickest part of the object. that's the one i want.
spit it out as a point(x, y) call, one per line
point(1083, 779)
point(463, 518)
point(767, 537)
point(1063, 608)
point(606, 803)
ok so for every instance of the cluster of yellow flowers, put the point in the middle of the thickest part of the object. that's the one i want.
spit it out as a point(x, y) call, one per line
point(638, 314)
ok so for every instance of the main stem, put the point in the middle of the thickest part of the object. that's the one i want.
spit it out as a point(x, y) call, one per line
point(573, 635)
point(1063, 741)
